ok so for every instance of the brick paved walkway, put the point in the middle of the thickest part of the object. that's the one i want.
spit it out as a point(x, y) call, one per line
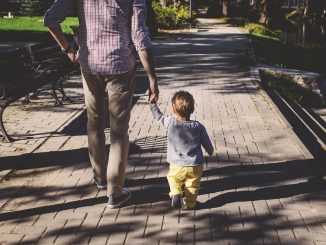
point(259, 187)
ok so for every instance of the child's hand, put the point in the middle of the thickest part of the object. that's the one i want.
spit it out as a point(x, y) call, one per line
point(153, 99)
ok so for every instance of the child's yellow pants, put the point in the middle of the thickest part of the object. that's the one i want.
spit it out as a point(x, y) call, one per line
point(190, 176)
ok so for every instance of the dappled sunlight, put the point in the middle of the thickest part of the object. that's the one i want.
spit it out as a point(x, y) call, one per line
point(258, 187)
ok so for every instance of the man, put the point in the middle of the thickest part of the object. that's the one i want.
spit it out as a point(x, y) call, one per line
point(108, 31)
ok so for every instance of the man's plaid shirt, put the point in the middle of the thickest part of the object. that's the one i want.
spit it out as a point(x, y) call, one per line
point(107, 29)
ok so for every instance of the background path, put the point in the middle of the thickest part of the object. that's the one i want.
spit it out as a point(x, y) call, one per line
point(258, 188)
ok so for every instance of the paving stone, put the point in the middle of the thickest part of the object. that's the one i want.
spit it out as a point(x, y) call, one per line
point(30, 239)
point(320, 242)
point(50, 223)
point(50, 235)
point(10, 238)
point(271, 237)
point(7, 228)
point(312, 221)
point(28, 230)
point(99, 239)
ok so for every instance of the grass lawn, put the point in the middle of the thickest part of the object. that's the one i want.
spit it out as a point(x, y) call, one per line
point(27, 29)
point(34, 24)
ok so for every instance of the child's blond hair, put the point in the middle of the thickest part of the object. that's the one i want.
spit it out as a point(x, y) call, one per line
point(183, 103)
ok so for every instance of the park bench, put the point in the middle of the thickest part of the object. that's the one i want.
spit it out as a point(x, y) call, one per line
point(50, 62)
point(33, 69)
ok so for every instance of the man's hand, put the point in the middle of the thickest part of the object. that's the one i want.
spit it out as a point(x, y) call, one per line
point(146, 58)
point(58, 35)
point(72, 55)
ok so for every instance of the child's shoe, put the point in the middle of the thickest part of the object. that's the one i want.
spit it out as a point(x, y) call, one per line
point(185, 207)
point(176, 201)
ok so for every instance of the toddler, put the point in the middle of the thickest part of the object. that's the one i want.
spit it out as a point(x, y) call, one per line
point(184, 154)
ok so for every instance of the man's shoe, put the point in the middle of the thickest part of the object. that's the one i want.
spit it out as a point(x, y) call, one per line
point(116, 202)
point(176, 201)
point(101, 184)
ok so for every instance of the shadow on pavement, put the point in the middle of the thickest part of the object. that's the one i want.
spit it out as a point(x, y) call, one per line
point(229, 184)
point(52, 208)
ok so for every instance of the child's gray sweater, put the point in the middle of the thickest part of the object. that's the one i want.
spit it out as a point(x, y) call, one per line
point(185, 139)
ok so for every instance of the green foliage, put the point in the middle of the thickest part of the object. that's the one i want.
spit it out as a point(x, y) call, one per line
point(270, 49)
point(292, 90)
point(255, 29)
point(34, 7)
point(171, 17)
point(262, 31)
point(274, 52)
point(295, 15)
point(30, 7)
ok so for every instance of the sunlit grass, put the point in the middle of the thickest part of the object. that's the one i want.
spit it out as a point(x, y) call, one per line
point(260, 30)
point(255, 29)
point(33, 24)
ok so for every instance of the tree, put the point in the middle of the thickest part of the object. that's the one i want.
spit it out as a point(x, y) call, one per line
point(30, 7)
point(7, 6)
point(271, 12)
point(243, 8)
point(151, 18)
point(34, 7)
point(315, 8)
point(225, 8)
point(166, 3)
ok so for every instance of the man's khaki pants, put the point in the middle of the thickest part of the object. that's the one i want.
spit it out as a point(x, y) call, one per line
point(119, 89)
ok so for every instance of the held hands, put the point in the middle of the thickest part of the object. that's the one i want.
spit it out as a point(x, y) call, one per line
point(153, 93)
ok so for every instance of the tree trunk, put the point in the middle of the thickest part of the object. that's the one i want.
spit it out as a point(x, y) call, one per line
point(264, 18)
point(214, 8)
point(176, 3)
point(225, 9)
point(163, 3)
point(151, 18)
point(271, 12)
